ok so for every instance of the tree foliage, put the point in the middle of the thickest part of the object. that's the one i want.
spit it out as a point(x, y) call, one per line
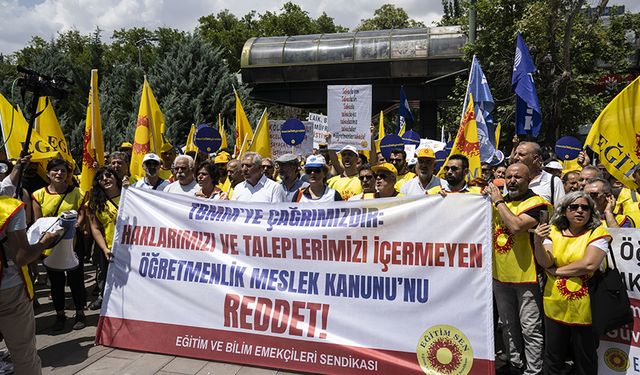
point(388, 16)
point(573, 49)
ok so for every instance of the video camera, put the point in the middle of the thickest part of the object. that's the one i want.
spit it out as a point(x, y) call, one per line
point(41, 84)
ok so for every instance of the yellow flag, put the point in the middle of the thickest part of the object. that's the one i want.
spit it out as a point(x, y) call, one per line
point(615, 136)
point(223, 134)
point(15, 134)
point(93, 146)
point(244, 134)
point(381, 132)
point(48, 127)
point(261, 141)
point(190, 146)
point(498, 129)
point(149, 135)
point(466, 142)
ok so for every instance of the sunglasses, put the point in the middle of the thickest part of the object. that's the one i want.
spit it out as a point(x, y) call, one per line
point(575, 206)
point(366, 177)
point(383, 176)
point(452, 169)
point(312, 170)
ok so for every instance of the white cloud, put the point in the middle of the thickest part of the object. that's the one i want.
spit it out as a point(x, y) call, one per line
point(22, 19)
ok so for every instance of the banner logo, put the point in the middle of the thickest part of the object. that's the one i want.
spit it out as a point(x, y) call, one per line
point(444, 350)
point(616, 359)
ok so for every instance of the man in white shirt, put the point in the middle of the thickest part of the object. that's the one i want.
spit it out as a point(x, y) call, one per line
point(425, 179)
point(185, 183)
point(256, 187)
point(542, 183)
point(151, 165)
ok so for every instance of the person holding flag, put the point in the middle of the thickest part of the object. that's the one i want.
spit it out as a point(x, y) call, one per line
point(528, 115)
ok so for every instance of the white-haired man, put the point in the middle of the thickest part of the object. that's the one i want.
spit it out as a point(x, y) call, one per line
point(185, 183)
point(256, 187)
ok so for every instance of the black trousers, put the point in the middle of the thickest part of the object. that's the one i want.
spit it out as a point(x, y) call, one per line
point(560, 339)
point(75, 279)
point(103, 267)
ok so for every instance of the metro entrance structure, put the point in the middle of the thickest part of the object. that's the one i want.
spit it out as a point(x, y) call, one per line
point(295, 70)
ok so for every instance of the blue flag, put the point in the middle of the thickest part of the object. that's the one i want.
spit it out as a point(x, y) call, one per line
point(405, 118)
point(528, 116)
point(483, 105)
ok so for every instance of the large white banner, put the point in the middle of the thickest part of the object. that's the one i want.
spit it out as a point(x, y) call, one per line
point(387, 286)
point(619, 350)
point(278, 147)
point(349, 116)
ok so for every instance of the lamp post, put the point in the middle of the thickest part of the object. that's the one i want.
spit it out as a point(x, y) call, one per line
point(139, 44)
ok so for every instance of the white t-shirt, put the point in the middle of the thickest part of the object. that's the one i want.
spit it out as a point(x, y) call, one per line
point(142, 183)
point(541, 185)
point(265, 190)
point(176, 188)
point(11, 274)
point(413, 186)
point(329, 195)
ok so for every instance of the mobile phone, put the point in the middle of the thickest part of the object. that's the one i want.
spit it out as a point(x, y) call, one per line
point(544, 217)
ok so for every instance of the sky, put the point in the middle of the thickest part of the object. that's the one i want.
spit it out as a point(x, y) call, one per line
point(22, 19)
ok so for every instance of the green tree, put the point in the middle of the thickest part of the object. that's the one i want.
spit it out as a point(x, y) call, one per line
point(386, 17)
point(571, 48)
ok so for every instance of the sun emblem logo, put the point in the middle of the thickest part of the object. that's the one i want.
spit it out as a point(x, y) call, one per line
point(502, 240)
point(637, 149)
point(141, 136)
point(572, 288)
point(87, 158)
point(616, 359)
point(444, 350)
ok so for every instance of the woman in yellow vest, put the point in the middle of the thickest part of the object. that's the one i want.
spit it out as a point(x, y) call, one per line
point(103, 211)
point(570, 249)
point(51, 201)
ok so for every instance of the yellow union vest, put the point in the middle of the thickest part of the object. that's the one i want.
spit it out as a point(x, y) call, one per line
point(55, 204)
point(513, 260)
point(404, 179)
point(9, 207)
point(566, 299)
point(628, 203)
point(107, 218)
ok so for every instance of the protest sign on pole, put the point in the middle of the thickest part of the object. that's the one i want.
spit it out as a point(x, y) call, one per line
point(279, 147)
point(349, 116)
point(619, 350)
point(320, 128)
point(337, 287)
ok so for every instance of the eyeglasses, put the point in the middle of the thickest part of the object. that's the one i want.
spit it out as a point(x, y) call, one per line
point(366, 177)
point(106, 175)
point(575, 206)
point(452, 169)
point(312, 170)
point(383, 176)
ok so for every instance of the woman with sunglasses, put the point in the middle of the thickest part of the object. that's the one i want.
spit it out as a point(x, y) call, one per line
point(571, 248)
point(318, 190)
point(207, 177)
point(51, 201)
point(103, 211)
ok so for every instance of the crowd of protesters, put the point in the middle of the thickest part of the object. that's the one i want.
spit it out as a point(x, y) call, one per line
point(542, 329)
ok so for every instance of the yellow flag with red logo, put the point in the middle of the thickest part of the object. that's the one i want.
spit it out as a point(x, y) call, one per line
point(615, 135)
point(466, 142)
point(48, 127)
point(92, 146)
point(149, 135)
point(244, 134)
point(14, 132)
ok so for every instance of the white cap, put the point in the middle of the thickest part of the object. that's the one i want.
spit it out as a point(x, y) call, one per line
point(553, 164)
point(315, 161)
point(151, 156)
point(349, 148)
